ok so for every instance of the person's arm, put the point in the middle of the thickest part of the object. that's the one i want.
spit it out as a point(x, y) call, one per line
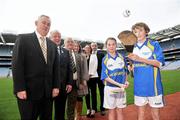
point(18, 69)
point(153, 62)
point(157, 53)
point(105, 76)
point(69, 74)
point(108, 79)
point(84, 69)
point(56, 75)
point(126, 82)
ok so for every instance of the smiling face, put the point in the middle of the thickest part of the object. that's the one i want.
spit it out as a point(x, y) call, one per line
point(69, 44)
point(93, 46)
point(141, 30)
point(55, 37)
point(111, 45)
point(76, 47)
point(87, 49)
point(43, 25)
point(140, 33)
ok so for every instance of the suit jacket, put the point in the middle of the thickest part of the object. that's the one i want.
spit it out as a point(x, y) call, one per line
point(78, 68)
point(30, 71)
point(66, 74)
point(100, 56)
point(84, 76)
point(84, 68)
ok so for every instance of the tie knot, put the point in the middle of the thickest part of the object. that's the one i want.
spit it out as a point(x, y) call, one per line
point(42, 38)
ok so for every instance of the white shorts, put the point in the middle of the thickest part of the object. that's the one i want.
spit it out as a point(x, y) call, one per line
point(114, 98)
point(155, 101)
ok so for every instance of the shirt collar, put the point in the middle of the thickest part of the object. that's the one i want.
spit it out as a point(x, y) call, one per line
point(94, 52)
point(145, 42)
point(38, 35)
point(109, 56)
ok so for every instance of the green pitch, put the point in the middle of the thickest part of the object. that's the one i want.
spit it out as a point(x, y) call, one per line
point(8, 105)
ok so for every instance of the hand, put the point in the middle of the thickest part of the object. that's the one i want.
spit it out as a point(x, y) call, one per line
point(55, 92)
point(117, 90)
point(22, 95)
point(122, 86)
point(130, 68)
point(133, 57)
point(68, 88)
point(126, 84)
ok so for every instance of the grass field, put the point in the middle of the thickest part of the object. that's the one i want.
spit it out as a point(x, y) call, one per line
point(9, 110)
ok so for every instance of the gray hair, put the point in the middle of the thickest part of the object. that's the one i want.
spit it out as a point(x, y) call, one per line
point(52, 32)
point(41, 16)
point(68, 39)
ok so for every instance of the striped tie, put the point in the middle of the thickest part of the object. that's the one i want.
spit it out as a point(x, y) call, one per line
point(43, 48)
point(72, 62)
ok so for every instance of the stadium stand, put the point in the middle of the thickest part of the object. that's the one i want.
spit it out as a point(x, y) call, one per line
point(171, 65)
point(169, 40)
point(7, 41)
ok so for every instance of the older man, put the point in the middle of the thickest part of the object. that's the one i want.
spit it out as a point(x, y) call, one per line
point(77, 73)
point(35, 72)
point(66, 76)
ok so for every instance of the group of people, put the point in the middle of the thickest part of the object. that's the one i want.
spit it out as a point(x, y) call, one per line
point(45, 73)
point(56, 74)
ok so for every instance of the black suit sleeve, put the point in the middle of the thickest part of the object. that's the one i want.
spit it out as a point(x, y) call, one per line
point(100, 56)
point(18, 65)
point(56, 71)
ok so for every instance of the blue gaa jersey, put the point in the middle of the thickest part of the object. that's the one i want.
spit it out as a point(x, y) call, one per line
point(114, 68)
point(147, 78)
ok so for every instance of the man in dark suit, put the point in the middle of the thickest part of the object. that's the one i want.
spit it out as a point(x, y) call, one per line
point(35, 72)
point(65, 76)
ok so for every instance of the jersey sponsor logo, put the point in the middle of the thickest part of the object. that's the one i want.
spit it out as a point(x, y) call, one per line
point(115, 64)
point(144, 52)
point(116, 74)
point(140, 65)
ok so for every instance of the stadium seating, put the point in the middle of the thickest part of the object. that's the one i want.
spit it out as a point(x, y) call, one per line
point(171, 65)
point(169, 40)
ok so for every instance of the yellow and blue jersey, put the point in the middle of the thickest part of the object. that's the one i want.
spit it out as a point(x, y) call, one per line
point(115, 68)
point(147, 78)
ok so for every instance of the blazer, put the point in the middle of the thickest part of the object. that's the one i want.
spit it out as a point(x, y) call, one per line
point(78, 68)
point(84, 68)
point(66, 74)
point(100, 56)
point(84, 76)
point(29, 69)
